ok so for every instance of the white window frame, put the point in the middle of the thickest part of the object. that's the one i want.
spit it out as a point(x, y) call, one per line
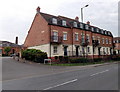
point(55, 35)
point(88, 38)
point(63, 22)
point(92, 29)
point(81, 26)
point(97, 30)
point(98, 39)
point(106, 41)
point(76, 37)
point(82, 37)
point(87, 27)
point(64, 35)
point(54, 20)
point(109, 41)
point(103, 41)
point(55, 49)
point(75, 24)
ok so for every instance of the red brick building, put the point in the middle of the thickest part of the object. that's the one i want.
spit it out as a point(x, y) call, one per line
point(62, 36)
point(15, 48)
point(116, 41)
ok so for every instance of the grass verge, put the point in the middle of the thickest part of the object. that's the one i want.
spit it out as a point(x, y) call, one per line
point(81, 64)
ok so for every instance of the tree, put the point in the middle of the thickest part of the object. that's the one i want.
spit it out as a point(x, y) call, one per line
point(7, 50)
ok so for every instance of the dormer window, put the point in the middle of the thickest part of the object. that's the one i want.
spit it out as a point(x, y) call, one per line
point(81, 25)
point(75, 24)
point(97, 30)
point(106, 32)
point(63, 22)
point(102, 31)
point(54, 20)
point(87, 27)
point(92, 29)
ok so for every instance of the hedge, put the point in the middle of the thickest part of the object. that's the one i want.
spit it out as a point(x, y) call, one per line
point(34, 55)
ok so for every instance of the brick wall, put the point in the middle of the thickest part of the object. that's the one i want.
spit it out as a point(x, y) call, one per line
point(38, 33)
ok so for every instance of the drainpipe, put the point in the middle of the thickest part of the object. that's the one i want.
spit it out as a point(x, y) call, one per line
point(50, 40)
point(72, 40)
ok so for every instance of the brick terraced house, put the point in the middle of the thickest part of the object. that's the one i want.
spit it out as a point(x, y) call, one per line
point(62, 36)
point(116, 41)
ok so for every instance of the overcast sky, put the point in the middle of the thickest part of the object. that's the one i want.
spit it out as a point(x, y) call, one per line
point(16, 16)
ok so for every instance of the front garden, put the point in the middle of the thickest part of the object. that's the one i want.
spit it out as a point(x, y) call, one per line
point(38, 56)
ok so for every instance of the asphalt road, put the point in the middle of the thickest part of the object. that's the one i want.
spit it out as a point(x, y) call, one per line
point(22, 76)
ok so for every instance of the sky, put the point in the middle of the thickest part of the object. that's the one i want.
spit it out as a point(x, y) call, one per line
point(16, 16)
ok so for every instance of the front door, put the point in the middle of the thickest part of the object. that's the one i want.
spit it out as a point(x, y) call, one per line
point(77, 53)
point(65, 51)
point(99, 50)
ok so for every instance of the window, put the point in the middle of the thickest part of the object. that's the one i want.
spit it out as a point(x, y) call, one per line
point(55, 49)
point(54, 20)
point(97, 30)
point(109, 41)
point(86, 27)
point(81, 25)
point(64, 36)
point(106, 41)
point(98, 39)
point(93, 37)
point(88, 38)
point(75, 24)
point(102, 31)
point(117, 41)
point(83, 38)
point(76, 36)
point(103, 41)
point(105, 32)
point(63, 22)
point(92, 29)
point(55, 36)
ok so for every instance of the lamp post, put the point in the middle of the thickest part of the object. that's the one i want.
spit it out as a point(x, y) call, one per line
point(82, 22)
point(82, 12)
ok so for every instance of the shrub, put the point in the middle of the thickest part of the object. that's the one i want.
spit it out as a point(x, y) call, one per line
point(7, 50)
point(79, 60)
point(61, 58)
point(34, 55)
point(56, 57)
point(97, 59)
point(66, 59)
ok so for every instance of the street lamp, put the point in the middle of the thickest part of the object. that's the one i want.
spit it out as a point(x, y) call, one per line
point(82, 12)
point(82, 22)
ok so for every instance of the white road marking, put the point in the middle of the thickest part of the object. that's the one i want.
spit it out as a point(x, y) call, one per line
point(61, 84)
point(99, 73)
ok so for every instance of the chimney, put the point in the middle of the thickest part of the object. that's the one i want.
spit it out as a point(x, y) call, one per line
point(16, 40)
point(88, 22)
point(77, 18)
point(38, 9)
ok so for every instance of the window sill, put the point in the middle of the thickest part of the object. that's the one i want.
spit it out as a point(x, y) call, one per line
point(55, 53)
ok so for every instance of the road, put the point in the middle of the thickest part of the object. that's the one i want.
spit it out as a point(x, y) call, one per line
point(22, 76)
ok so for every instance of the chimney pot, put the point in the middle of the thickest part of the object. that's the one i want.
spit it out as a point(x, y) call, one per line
point(16, 40)
point(38, 9)
point(88, 22)
point(77, 18)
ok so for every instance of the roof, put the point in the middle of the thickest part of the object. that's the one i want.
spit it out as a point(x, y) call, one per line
point(8, 44)
point(116, 38)
point(69, 23)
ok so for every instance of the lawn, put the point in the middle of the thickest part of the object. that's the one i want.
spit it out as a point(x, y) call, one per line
point(80, 64)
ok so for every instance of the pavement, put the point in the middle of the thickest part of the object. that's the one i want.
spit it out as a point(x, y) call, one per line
point(30, 76)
